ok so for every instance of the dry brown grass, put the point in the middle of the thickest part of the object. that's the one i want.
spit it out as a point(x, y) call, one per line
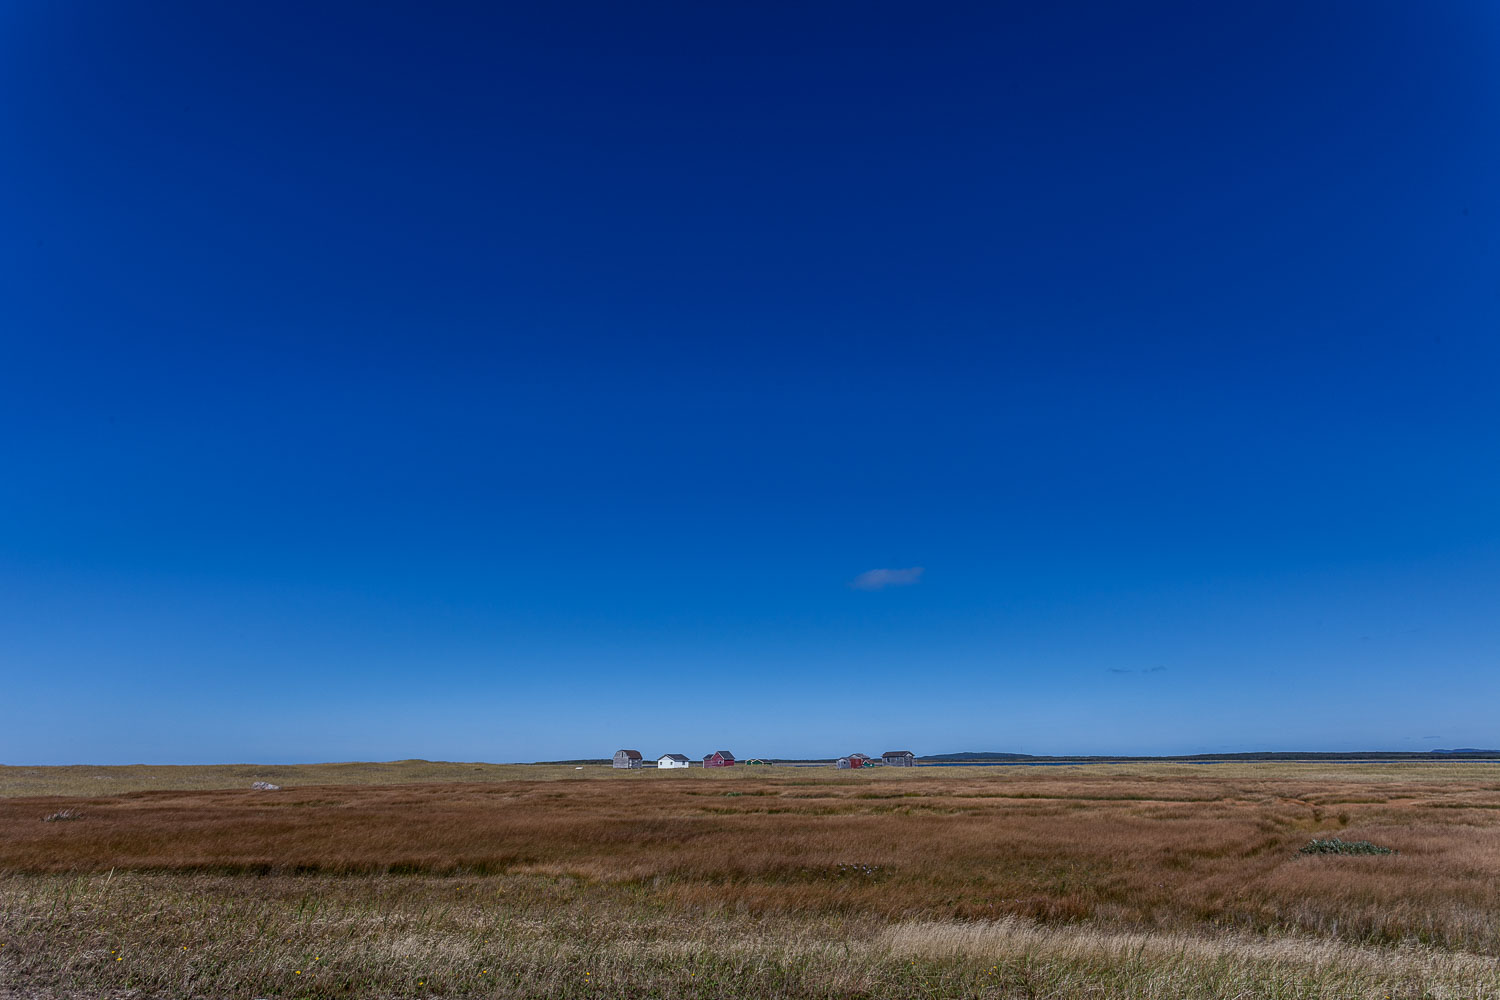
point(1073, 874)
point(95, 780)
point(1124, 848)
point(537, 936)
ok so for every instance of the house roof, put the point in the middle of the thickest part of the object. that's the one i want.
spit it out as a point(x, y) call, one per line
point(632, 754)
point(672, 756)
point(898, 753)
point(864, 755)
point(722, 753)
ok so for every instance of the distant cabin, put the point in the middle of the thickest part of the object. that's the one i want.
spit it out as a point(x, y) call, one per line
point(899, 758)
point(719, 758)
point(627, 758)
point(854, 760)
point(757, 762)
point(672, 760)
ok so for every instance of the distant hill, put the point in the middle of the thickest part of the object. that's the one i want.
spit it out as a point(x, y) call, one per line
point(974, 756)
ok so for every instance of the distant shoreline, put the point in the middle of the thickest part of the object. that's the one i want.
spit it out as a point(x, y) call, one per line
point(982, 757)
point(976, 756)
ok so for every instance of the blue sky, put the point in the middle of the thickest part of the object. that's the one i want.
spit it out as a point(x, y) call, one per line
point(518, 382)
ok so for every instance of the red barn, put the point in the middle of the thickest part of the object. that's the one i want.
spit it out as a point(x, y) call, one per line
point(719, 758)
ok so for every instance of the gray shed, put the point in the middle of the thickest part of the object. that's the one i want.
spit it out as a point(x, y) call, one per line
point(899, 758)
point(627, 758)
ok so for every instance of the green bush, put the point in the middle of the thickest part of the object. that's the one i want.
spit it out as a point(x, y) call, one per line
point(1336, 846)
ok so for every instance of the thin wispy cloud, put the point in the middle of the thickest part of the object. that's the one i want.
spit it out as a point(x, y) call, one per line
point(879, 579)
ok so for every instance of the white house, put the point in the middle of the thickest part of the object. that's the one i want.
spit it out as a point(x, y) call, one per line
point(672, 760)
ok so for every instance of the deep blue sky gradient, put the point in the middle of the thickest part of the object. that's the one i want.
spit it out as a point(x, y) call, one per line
point(512, 382)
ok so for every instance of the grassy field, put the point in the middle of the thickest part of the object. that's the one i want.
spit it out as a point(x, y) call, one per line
point(90, 780)
point(419, 879)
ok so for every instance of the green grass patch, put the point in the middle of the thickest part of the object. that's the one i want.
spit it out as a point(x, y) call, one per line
point(1334, 845)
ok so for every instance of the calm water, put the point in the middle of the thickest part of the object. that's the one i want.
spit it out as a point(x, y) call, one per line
point(1091, 763)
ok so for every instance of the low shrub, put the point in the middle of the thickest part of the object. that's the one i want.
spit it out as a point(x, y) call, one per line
point(1334, 845)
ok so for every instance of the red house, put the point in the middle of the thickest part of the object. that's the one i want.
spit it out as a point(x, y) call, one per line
point(719, 758)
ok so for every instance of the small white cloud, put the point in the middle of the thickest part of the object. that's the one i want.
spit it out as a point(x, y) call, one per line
point(879, 579)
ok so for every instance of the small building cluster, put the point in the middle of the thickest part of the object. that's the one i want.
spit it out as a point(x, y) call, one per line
point(891, 758)
point(630, 759)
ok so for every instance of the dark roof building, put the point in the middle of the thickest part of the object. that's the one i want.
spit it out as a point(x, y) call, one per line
point(627, 758)
point(899, 758)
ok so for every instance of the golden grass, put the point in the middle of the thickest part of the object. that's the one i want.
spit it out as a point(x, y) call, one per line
point(537, 936)
point(101, 780)
point(1145, 880)
point(95, 780)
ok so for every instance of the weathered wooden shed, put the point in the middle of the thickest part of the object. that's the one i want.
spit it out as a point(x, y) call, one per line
point(672, 760)
point(853, 760)
point(719, 758)
point(899, 758)
point(627, 758)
